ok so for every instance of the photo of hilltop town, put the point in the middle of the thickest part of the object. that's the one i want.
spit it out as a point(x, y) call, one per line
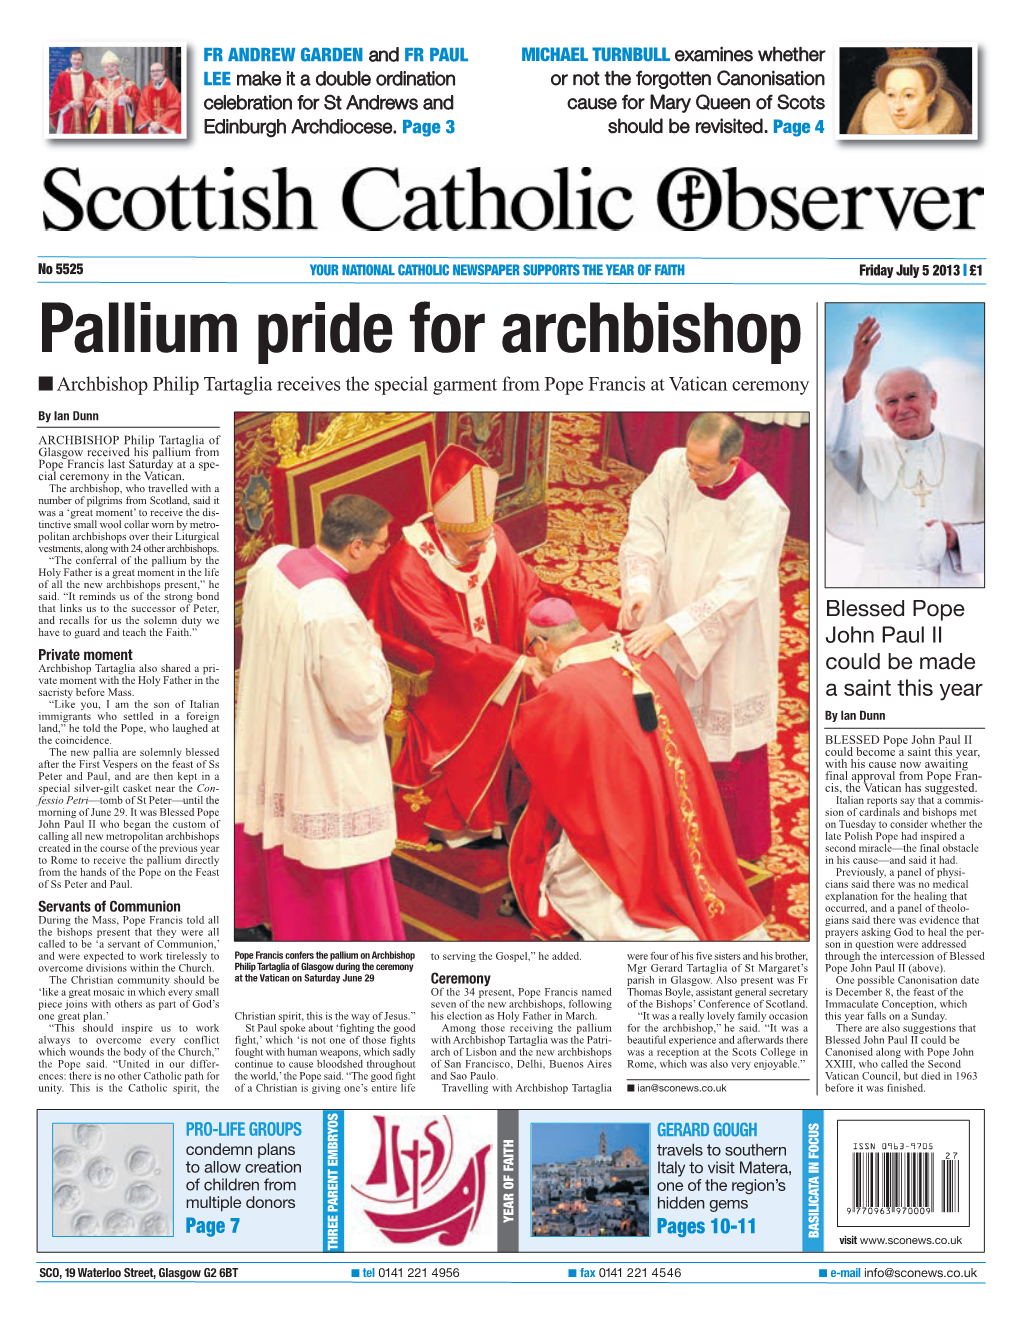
point(580, 1186)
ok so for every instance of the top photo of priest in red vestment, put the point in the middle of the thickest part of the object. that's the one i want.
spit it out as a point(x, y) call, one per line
point(112, 101)
point(67, 99)
point(114, 90)
point(159, 109)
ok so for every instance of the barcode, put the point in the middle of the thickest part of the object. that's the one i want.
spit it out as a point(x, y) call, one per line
point(894, 1180)
point(905, 1180)
point(901, 1169)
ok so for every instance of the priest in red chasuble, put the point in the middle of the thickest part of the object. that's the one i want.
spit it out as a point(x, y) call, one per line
point(624, 835)
point(159, 107)
point(67, 100)
point(455, 586)
point(111, 101)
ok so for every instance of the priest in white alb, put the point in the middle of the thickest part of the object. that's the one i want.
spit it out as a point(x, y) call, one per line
point(913, 497)
point(699, 577)
point(314, 817)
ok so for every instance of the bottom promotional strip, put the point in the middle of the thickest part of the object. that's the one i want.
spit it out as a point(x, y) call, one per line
point(511, 1181)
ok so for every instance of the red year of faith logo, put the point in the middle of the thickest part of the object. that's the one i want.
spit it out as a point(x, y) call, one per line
point(412, 1176)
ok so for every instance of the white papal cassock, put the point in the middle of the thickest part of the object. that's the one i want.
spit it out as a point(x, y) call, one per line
point(711, 566)
point(881, 492)
point(312, 772)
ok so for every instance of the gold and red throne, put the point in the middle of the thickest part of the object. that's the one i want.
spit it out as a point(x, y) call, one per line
point(288, 466)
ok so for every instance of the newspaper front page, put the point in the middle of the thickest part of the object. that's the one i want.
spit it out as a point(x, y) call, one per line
point(514, 697)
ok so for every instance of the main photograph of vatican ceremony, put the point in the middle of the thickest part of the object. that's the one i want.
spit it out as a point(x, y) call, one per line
point(515, 675)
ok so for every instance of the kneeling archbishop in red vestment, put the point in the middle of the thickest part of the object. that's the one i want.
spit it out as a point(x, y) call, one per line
point(624, 835)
